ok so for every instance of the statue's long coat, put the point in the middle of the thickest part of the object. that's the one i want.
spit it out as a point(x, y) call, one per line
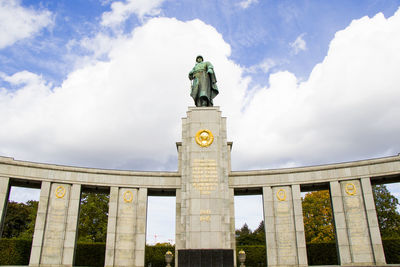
point(204, 83)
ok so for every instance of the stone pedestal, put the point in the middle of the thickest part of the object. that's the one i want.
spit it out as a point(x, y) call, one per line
point(205, 211)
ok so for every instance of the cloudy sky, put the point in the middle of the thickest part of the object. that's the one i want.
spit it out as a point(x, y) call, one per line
point(102, 83)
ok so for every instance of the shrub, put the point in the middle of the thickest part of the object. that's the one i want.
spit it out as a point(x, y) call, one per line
point(255, 255)
point(90, 254)
point(15, 251)
point(322, 253)
point(156, 255)
point(392, 250)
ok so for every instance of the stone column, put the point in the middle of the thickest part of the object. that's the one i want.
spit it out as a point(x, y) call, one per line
point(141, 221)
point(71, 230)
point(342, 238)
point(55, 234)
point(232, 220)
point(352, 231)
point(126, 227)
point(111, 227)
point(284, 228)
point(40, 224)
point(299, 226)
point(373, 226)
point(4, 193)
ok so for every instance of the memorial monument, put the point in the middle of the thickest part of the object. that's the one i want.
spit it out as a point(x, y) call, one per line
point(204, 83)
point(204, 186)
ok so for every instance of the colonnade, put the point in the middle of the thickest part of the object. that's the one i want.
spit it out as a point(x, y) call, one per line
point(54, 241)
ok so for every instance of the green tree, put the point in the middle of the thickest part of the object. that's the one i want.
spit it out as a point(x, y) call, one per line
point(317, 215)
point(386, 208)
point(93, 217)
point(31, 220)
point(20, 219)
point(244, 236)
point(259, 234)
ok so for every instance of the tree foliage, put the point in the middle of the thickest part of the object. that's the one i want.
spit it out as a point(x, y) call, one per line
point(317, 215)
point(244, 235)
point(386, 209)
point(20, 219)
point(93, 217)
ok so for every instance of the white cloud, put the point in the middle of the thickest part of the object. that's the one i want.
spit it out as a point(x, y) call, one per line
point(346, 110)
point(123, 112)
point(121, 10)
point(265, 66)
point(18, 22)
point(246, 3)
point(299, 44)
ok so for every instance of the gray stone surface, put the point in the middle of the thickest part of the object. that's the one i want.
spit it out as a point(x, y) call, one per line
point(204, 202)
point(357, 225)
point(126, 228)
point(284, 228)
point(140, 235)
point(340, 224)
point(4, 192)
point(373, 226)
point(71, 230)
point(111, 227)
point(357, 230)
point(38, 235)
point(55, 227)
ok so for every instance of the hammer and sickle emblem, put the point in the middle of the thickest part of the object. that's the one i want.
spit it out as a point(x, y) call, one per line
point(204, 138)
point(281, 194)
point(60, 191)
point(128, 196)
point(350, 189)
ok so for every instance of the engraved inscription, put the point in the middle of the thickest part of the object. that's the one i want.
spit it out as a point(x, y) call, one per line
point(205, 175)
point(205, 215)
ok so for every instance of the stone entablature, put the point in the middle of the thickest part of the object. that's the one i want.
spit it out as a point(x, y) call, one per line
point(379, 167)
point(87, 176)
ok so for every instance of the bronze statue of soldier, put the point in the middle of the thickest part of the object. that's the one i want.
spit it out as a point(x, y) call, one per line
point(204, 84)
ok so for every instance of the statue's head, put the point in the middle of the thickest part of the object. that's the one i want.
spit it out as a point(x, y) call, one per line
point(199, 59)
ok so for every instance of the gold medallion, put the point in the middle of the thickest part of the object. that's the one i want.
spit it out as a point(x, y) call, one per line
point(281, 194)
point(204, 138)
point(60, 191)
point(350, 189)
point(128, 196)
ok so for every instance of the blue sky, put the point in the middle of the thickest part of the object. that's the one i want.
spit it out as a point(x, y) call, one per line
point(264, 30)
point(104, 83)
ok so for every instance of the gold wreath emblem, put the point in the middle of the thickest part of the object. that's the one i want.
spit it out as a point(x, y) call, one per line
point(281, 194)
point(60, 191)
point(128, 196)
point(204, 138)
point(350, 189)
